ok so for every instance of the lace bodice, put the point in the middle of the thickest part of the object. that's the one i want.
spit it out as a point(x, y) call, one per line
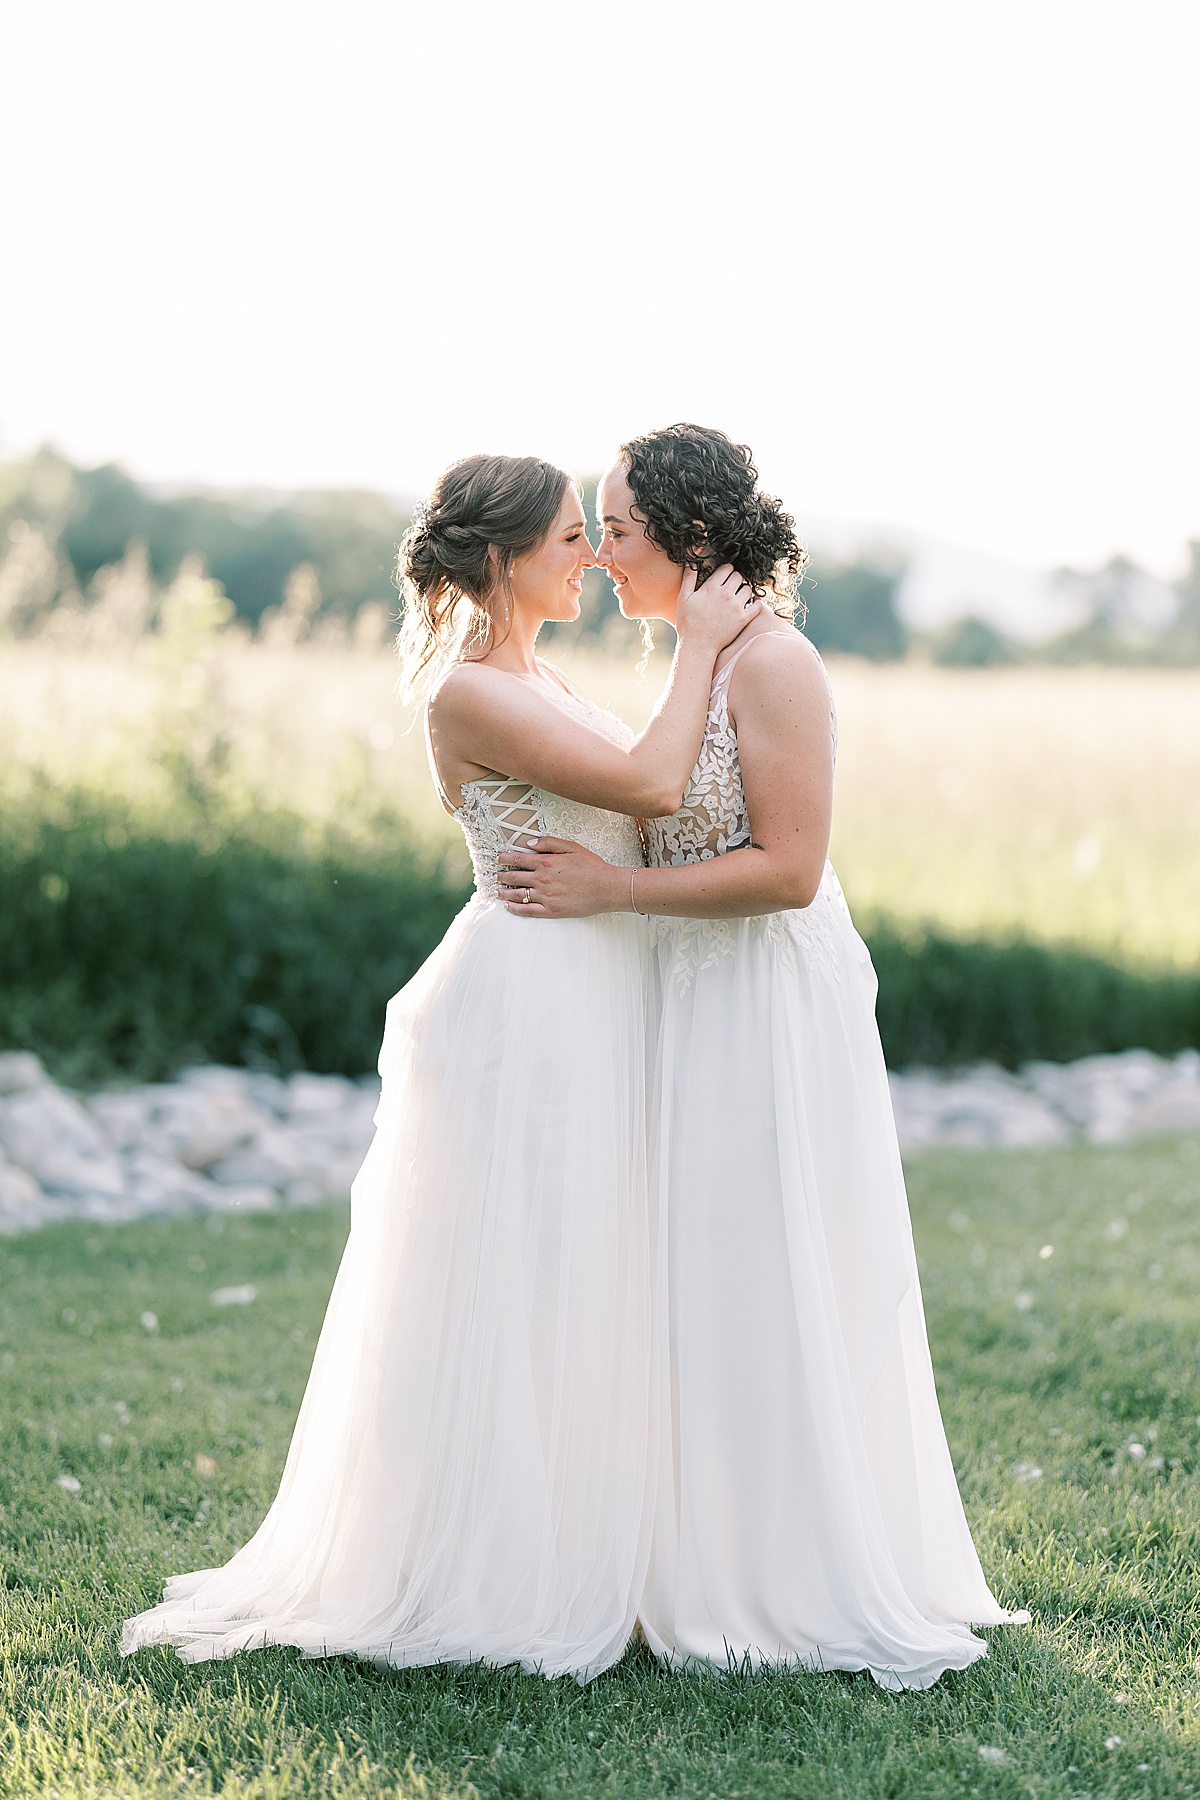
point(712, 820)
point(713, 816)
point(499, 813)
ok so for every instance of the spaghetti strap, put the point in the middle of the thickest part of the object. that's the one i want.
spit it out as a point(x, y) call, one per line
point(748, 645)
point(560, 679)
point(720, 679)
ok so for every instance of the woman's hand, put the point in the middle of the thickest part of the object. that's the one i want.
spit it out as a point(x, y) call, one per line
point(554, 878)
point(717, 611)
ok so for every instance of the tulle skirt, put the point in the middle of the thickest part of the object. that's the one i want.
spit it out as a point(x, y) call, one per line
point(807, 1508)
point(469, 1474)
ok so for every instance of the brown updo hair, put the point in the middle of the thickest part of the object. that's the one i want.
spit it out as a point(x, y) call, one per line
point(696, 493)
point(455, 557)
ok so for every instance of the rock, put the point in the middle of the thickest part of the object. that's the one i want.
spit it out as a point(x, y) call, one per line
point(266, 1092)
point(303, 1192)
point(1174, 1105)
point(309, 1095)
point(228, 1140)
point(20, 1070)
point(123, 1116)
point(22, 1202)
point(1105, 1099)
point(101, 1209)
point(272, 1160)
point(1100, 1095)
point(981, 1108)
point(192, 1125)
point(49, 1134)
point(159, 1184)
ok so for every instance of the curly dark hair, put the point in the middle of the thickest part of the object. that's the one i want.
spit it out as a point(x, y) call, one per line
point(696, 493)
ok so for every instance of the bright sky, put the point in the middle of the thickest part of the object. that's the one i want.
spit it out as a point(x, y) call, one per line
point(937, 261)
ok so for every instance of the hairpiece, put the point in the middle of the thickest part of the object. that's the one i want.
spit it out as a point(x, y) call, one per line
point(420, 514)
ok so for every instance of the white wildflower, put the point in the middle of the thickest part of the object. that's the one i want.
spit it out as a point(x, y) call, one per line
point(235, 1296)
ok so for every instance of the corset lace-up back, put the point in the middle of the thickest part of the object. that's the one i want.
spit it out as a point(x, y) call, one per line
point(499, 812)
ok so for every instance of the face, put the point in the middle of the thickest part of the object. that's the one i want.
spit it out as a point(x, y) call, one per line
point(546, 583)
point(646, 580)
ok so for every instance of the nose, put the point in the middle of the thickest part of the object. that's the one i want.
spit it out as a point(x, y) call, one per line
point(604, 556)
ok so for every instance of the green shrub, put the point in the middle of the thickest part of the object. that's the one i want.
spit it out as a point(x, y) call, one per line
point(143, 955)
point(943, 1000)
point(134, 953)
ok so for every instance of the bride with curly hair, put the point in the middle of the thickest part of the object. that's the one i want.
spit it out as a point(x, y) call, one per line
point(471, 1471)
point(807, 1509)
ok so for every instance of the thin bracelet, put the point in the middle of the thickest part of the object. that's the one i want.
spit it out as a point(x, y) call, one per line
point(632, 901)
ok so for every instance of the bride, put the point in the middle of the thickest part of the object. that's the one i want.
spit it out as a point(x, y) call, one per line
point(807, 1509)
point(470, 1470)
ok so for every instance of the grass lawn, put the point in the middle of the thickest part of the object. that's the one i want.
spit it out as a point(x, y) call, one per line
point(1071, 1393)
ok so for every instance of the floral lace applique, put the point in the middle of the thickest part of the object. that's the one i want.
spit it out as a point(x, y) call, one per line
point(713, 820)
point(809, 933)
point(713, 817)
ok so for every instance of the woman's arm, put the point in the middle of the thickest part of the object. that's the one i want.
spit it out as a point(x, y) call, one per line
point(487, 717)
point(786, 755)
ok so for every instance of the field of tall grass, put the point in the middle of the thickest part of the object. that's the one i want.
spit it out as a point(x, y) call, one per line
point(1057, 805)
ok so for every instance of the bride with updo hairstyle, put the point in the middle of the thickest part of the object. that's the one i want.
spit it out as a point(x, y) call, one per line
point(470, 1474)
point(806, 1505)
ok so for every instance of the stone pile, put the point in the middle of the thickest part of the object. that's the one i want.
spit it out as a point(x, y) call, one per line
point(214, 1140)
point(234, 1139)
point(1099, 1099)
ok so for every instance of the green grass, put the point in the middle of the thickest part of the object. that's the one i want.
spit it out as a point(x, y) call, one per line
point(1058, 1363)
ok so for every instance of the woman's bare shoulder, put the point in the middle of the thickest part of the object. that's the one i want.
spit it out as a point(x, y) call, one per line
point(465, 687)
point(473, 693)
point(777, 668)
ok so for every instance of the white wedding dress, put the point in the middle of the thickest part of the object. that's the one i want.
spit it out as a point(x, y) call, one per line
point(469, 1474)
point(807, 1507)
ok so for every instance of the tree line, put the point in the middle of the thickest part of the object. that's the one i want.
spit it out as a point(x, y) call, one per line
point(331, 554)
